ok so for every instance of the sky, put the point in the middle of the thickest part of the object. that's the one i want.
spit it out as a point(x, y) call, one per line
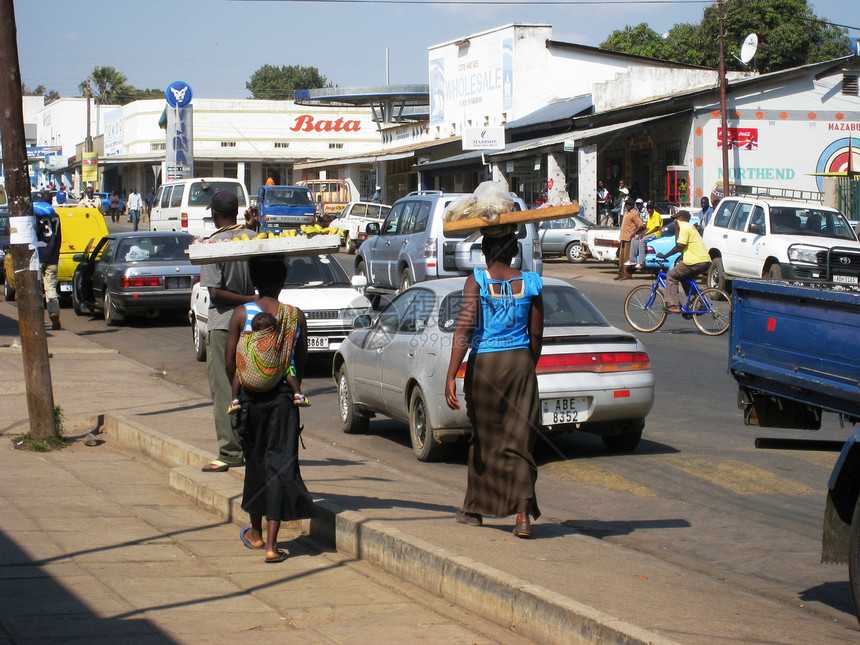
point(216, 45)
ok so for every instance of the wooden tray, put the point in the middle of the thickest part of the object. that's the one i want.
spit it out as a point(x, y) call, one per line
point(247, 249)
point(517, 217)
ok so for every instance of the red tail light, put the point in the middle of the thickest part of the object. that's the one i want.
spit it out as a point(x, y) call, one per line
point(183, 221)
point(598, 362)
point(140, 281)
point(461, 373)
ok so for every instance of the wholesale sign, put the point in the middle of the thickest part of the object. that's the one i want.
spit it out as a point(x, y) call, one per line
point(179, 143)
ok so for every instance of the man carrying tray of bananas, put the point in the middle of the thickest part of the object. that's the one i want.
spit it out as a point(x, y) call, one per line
point(229, 285)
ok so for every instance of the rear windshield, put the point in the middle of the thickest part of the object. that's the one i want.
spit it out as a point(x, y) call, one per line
point(202, 191)
point(288, 197)
point(154, 248)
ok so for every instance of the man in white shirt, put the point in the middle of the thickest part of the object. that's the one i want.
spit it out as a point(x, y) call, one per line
point(135, 203)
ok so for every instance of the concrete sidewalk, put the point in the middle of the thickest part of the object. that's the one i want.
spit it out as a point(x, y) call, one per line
point(559, 587)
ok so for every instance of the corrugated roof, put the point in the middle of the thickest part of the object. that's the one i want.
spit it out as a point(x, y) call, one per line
point(556, 111)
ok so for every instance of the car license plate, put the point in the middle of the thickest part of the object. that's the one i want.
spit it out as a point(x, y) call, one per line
point(569, 410)
point(317, 342)
point(850, 279)
point(66, 287)
point(177, 282)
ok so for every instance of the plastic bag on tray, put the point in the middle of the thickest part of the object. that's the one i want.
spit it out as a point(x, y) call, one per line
point(487, 202)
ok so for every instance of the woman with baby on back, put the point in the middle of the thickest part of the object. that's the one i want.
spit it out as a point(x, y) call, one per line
point(269, 423)
point(501, 321)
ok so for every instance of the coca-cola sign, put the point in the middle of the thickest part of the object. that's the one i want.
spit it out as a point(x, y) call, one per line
point(306, 123)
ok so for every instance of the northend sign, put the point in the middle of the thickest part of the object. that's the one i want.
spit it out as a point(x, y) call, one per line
point(306, 123)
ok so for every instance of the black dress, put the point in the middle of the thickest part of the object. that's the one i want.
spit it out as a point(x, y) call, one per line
point(269, 434)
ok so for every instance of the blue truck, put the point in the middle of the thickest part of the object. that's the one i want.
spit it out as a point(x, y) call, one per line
point(285, 207)
point(794, 351)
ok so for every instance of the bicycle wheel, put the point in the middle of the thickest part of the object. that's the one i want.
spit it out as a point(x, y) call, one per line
point(643, 310)
point(717, 306)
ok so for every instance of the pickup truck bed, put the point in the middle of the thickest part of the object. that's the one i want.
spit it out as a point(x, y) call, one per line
point(795, 350)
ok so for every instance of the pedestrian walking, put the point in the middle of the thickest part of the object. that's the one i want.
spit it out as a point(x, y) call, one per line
point(49, 234)
point(113, 206)
point(90, 200)
point(630, 226)
point(229, 285)
point(134, 205)
point(269, 426)
point(150, 203)
point(501, 322)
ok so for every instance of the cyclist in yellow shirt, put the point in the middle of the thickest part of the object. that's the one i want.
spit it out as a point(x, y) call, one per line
point(694, 259)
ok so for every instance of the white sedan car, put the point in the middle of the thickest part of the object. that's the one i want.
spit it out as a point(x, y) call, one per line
point(591, 376)
point(319, 286)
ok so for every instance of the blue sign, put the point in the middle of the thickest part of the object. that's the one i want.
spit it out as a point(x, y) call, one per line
point(178, 94)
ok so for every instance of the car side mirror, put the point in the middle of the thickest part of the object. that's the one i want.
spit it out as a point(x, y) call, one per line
point(359, 281)
point(79, 257)
point(757, 229)
point(361, 322)
point(372, 228)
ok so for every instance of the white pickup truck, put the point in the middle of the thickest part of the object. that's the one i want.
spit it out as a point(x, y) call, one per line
point(354, 220)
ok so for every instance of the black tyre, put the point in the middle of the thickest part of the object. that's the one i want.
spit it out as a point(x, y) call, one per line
point(406, 281)
point(78, 307)
point(854, 559)
point(575, 252)
point(351, 246)
point(8, 292)
point(424, 444)
point(112, 315)
point(198, 340)
point(643, 312)
point(351, 421)
point(774, 272)
point(716, 278)
point(627, 442)
point(718, 316)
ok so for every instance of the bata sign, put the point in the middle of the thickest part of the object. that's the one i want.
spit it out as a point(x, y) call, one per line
point(306, 123)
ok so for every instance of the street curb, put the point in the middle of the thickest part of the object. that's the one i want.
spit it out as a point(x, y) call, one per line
point(525, 608)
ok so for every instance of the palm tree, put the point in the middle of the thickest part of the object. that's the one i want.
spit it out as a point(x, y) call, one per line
point(107, 85)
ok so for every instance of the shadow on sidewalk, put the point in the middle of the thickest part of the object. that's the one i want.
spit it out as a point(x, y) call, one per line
point(35, 607)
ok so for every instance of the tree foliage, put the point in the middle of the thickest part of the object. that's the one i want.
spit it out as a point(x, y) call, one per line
point(108, 85)
point(49, 95)
point(279, 83)
point(789, 34)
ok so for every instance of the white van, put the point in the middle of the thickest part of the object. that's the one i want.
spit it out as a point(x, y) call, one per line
point(183, 204)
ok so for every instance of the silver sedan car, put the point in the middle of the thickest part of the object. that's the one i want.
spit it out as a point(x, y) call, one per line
point(565, 236)
point(591, 376)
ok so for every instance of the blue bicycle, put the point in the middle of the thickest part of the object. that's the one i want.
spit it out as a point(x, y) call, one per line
point(710, 309)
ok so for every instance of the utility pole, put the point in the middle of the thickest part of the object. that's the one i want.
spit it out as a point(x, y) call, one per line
point(22, 223)
point(724, 140)
point(89, 146)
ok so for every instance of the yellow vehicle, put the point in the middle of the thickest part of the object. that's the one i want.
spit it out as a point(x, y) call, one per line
point(78, 227)
point(330, 196)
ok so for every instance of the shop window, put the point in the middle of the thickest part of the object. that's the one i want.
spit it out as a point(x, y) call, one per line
point(231, 169)
point(203, 169)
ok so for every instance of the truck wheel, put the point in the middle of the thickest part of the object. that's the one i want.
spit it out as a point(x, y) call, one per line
point(716, 275)
point(406, 280)
point(854, 559)
point(351, 422)
point(424, 444)
point(575, 252)
point(198, 340)
point(350, 246)
point(774, 272)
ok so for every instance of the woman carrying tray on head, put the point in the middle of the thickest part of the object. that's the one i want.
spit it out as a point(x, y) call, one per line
point(269, 420)
point(500, 383)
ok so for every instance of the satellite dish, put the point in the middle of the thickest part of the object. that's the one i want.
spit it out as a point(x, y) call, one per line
point(748, 48)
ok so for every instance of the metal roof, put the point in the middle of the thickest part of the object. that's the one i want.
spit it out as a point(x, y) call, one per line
point(559, 110)
point(390, 103)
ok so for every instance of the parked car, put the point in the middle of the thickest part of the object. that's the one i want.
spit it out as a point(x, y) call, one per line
point(565, 237)
point(759, 237)
point(135, 273)
point(411, 245)
point(354, 220)
point(319, 286)
point(603, 242)
point(591, 376)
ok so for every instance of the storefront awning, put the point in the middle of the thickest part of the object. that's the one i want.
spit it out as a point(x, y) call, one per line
point(579, 137)
point(390, 154)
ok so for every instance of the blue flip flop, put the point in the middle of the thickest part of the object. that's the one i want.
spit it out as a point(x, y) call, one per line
point(243, 536)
